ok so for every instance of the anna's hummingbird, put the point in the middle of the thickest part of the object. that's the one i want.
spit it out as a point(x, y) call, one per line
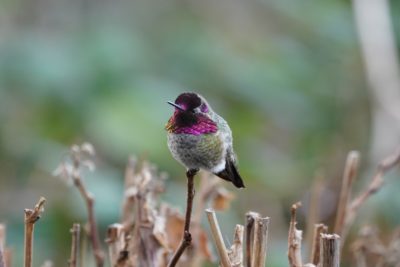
point(200, 139)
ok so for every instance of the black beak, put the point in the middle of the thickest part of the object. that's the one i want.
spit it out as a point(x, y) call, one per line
point(175, 105)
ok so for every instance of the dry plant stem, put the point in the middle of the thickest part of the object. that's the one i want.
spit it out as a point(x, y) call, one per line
point(187, 237)
point(294, 240)
point(350, 172)
point(217, 236)
point(259, 252)
point(75, 232)
point(93, 235)
point(116, 242)
point(315, 248)
point(330, 250)
point(235, 253)
point(250, 220)
point(373, 187)
point(31, 217)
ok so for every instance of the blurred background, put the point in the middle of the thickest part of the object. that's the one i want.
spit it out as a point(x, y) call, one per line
point(301, 83)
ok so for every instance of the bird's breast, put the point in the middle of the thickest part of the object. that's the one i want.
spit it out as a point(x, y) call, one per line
point(197, 151)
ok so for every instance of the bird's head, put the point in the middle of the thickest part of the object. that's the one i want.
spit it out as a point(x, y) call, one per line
point(191, 111)
point(190, 103)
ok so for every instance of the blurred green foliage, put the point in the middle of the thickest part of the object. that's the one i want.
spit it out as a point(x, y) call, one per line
point(287, 76)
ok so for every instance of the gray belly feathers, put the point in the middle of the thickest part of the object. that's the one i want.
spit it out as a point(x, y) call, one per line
point(197, 151)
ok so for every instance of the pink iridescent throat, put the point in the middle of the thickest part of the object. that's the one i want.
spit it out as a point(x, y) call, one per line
point(204, 125)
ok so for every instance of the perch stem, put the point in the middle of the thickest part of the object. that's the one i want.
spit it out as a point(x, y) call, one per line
point(187, 237)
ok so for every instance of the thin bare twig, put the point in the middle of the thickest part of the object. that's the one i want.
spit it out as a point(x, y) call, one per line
point(77, 154)
point(187, 237)
point(235, 253)
point(294, 239)
point(93, 234)
point(375, 184)
point(350, 172)
point(217, 236)
point(315, 248)
point(75, 233)
point(259, 252)
point(31, 217)
point(330, 250)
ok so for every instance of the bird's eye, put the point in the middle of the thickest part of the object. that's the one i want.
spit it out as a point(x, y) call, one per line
point(204, 108)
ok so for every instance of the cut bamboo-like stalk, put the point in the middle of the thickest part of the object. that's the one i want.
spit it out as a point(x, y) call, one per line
point(250, 223)
point(315, 248)
point(330, 250)
point(217, 236)
point(259, 252)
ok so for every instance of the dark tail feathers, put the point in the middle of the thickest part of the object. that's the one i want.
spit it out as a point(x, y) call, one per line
point(231, 174)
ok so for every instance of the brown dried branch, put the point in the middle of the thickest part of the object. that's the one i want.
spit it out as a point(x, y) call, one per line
point(70, 169)
point(330, 250)
point(235, 253)
point(294, 239)
point(75, 233)
point(217, 236)
point(31, 217)
point(93, 233)
point(350, 172)
point(375, 184)
point(211, 192)
point(78, 158)
point(250, 225)
point(116, 243)
point(187, 237)
point(315, 248)
point(259, 252)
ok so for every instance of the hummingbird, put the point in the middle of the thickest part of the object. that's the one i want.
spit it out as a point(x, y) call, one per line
point(199, 138)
